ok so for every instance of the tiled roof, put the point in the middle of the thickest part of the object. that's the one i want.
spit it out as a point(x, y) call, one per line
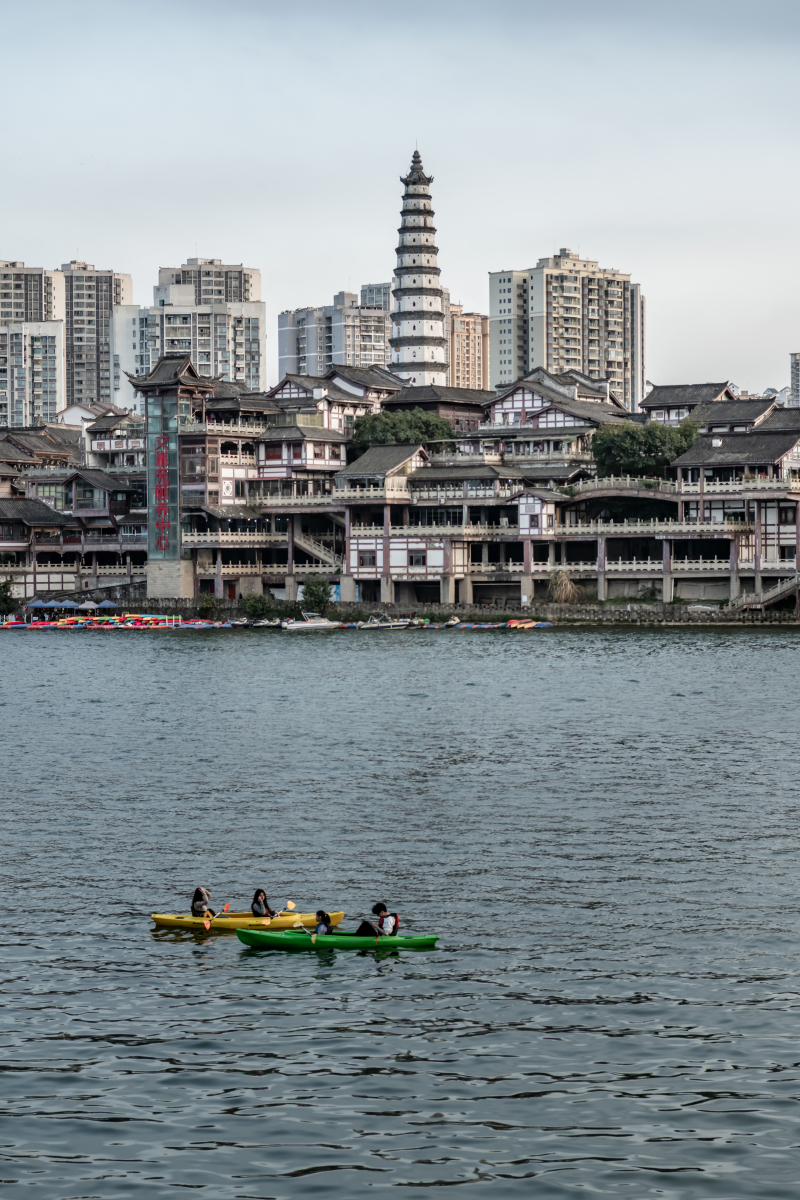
point(379, 460)
point(173, 369)
point(781, 418)
point(30, 512)
point(735, 449)
point(475, 471)
point(300, 433)
point(374, 377)
point(100, 479)
point(732, 412)
point(104, 424)
point(434, 392)
point(681, 395)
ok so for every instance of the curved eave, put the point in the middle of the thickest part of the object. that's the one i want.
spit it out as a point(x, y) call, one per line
point(421, 340)
point(417, 269)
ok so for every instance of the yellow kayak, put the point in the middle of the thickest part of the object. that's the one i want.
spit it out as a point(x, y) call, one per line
point(239, 920)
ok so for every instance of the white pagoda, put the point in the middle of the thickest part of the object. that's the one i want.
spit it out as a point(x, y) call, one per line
point(419, 347)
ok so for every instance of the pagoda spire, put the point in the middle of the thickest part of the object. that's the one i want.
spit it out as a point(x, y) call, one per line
point(418, 337)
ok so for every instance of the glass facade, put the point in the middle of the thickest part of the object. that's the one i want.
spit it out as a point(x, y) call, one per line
point(163, 510)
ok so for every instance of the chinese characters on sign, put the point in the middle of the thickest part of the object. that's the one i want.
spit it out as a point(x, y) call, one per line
point(162, 491)
point(163, 522)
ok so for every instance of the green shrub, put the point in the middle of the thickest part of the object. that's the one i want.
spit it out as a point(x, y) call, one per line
point(316, 595)
point(8, 603)
point(207, 605)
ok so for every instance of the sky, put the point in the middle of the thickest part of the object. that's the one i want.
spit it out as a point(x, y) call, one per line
point(658, 139)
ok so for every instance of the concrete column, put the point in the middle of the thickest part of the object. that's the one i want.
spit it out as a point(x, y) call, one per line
point(290, 546)
point(347, 589)
point(218, 580)
point(601, 568)
point(757, 550)
point(666, 571)
point(290, 583)
point(562, 552)
point(465, 590)
point(387, 520)
point(485, 555)
point(527, 556)
point(387, 589)
point(446, 589)
point(465, 515)
point(734, 568)
point(526, 589)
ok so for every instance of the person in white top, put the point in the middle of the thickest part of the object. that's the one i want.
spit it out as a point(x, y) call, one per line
point(385, 925)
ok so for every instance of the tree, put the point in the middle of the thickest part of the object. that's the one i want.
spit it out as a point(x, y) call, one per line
point(8, 603)
point(631, 449)
point(563, 589)
point(207, 605)
point(316, 595)
point(415, 426)
point(257, 607)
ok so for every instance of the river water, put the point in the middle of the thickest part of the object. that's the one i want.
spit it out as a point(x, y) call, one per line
point(602, 826)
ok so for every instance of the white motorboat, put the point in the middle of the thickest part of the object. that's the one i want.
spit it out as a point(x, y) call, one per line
point(311, 623)
point(381, 621)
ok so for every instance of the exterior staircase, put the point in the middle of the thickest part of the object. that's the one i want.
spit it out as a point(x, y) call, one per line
point(326, 554)
point(762, 600)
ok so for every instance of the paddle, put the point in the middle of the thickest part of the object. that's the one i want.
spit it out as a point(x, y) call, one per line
point(300, 925)
point(290, 904)
point(207, 923)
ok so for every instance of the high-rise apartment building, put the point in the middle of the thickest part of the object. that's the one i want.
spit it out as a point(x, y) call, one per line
point(569, 313)
point(312, 340)
point(31, 371)
point(226, 339)
point(90, 296)
point(30, 293)
point(419, 341)
point(794, 386)
point(376, 295)
point(214, 281)
point(469, 349)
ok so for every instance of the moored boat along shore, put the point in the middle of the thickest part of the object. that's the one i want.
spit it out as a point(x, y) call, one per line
point(176, 614)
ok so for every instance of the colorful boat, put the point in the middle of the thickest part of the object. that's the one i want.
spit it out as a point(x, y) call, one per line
point(296, 939)
point(238, 920)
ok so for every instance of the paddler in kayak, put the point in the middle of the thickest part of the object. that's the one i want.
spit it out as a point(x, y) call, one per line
point(260, 906)
point(385, 925)
point(323, 922)
point(200, 901)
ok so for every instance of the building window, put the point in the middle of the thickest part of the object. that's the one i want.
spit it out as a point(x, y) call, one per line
point(367, 559)
point(417, 558)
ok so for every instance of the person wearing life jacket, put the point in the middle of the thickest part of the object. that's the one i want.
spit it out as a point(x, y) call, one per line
point(260, 906)
point(386, 924)
point(200, 901)
point(323, 922)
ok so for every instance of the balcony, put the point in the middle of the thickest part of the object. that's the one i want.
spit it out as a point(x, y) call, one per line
point(456, 492)
point(223, 538)
point(209, 570)
point(752, 483)
point(623, 483)
point(646, 528)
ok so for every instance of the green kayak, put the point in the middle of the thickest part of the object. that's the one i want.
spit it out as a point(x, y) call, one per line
point(296, 939)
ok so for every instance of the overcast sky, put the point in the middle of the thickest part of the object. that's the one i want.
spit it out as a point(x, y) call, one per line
point(660, 139)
